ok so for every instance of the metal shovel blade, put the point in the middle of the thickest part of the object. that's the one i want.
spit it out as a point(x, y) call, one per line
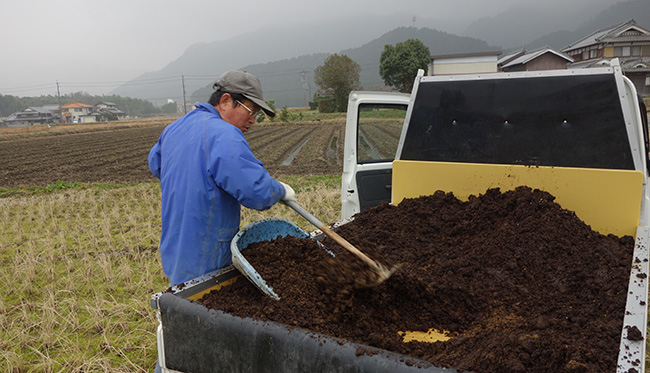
point(261, 230)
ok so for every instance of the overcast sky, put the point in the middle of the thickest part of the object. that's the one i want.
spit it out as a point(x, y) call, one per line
point(45, 41)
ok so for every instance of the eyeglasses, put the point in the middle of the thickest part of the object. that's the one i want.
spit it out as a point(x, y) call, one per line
point(251, 113)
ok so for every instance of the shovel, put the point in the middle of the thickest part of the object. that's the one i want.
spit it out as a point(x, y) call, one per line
point(379, 269)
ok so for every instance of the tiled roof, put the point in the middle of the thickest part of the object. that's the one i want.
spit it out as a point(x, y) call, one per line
point(529, 56)
point(39, 109)
point(629, 64)
point(75, 104)
point(510, 56)
point(610, 34)
point(638, 64)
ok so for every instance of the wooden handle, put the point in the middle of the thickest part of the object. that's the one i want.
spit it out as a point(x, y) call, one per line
point(330, 233)
point(343, 242)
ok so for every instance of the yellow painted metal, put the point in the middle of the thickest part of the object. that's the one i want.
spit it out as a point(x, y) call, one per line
point(608, 200)
point(199, 295)
point(430, 336)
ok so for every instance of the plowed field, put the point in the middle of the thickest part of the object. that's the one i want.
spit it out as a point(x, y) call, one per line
point(118, 154)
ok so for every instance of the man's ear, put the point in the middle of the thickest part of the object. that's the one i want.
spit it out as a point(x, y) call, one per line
point(226, 99)
point(225, 104)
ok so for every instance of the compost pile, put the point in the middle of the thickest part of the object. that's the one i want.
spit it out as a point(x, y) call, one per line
point(520, 284)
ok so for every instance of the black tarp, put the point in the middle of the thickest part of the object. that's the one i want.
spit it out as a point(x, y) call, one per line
point(198, 339)
point(567, 121)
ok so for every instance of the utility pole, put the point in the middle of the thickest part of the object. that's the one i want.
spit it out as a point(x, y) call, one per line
point(58, 95)
point(305, 85)
point(184, 104)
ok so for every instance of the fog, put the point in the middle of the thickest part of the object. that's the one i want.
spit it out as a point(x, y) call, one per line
point(99, 45)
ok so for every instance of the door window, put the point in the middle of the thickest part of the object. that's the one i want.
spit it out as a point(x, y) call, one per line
point(380, 127)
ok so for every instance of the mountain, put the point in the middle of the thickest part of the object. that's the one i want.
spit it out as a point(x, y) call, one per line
point(528, 20)
point(284, 56)
point(204, 62)
point(290, 82)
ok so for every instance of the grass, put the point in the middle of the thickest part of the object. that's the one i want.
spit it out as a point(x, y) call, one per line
point(59, 185)
point(80, 262)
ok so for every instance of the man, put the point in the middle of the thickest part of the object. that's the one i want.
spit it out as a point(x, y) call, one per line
point(207, 171)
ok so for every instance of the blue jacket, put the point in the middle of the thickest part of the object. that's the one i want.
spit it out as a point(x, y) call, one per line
point(206, 170)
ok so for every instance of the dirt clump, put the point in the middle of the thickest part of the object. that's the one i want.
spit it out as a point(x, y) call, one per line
point(517, 282)
point(346, 271)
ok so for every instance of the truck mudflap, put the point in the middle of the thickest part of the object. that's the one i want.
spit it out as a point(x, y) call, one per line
point(197, 339)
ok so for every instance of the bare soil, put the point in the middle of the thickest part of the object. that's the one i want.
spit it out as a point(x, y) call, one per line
point(521, 284)
point(118, 153)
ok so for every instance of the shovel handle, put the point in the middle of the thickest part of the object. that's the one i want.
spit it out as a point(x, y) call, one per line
point(310, 218)
point(330, 233)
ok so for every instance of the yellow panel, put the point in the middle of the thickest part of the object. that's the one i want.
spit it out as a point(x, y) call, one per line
point(608, 200)
point(199, 295)
point(430, 336)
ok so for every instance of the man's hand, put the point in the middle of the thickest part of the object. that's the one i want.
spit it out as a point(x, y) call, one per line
point(289, 193)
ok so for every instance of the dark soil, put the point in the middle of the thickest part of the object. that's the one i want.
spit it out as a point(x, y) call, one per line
point(118, 154)
point(521, 284)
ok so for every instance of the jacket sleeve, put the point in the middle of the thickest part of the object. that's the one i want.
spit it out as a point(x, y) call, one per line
point(235, 169)
point(154, 160)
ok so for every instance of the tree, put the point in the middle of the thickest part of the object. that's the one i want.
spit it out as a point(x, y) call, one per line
point(399, 64)
point(169, 108)
point(340, 75)
point(261, 118)
point(132, 106)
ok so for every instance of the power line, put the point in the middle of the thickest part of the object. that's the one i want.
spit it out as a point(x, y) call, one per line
point(70, 85)
point(76, 84)
point(130, 83)
point(142, 82)
point(157, 80)
point(39, 87)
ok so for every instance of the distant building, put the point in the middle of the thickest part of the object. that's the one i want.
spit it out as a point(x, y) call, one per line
point(32, 115)
point(627, 41)
point(464, 63)
point(77, 112)
point(543, 58)
point(72, 112)
point(108, 111)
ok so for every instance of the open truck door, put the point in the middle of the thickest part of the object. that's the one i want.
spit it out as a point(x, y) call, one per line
point(373, 129)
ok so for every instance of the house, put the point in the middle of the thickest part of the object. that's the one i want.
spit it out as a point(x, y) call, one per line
point(464, 63)
point(105, 104)
point(543, 58)
point(108, 111)
point(72, 112)
point(102, 115)
point(627, 41)
point(32, 115)
point(77, 112)
point(92, 117)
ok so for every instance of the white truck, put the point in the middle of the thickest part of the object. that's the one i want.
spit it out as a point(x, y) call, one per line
point(581, 135)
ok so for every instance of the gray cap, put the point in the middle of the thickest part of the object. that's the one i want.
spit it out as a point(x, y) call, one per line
point(245, 84)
